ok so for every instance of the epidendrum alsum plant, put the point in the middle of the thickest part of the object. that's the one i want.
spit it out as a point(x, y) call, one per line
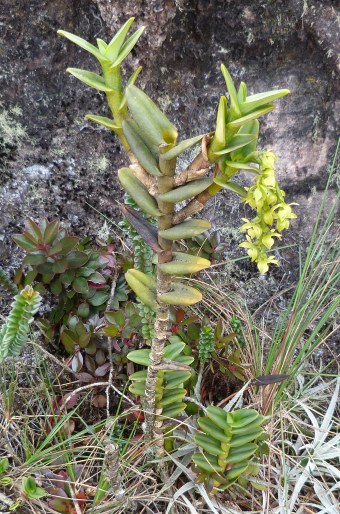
point(154, 185)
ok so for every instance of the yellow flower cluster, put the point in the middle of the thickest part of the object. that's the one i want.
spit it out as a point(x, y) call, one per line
point(272, 213)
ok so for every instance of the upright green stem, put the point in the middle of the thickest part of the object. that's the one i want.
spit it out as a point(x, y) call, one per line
point(113, 80)
point(154, 426)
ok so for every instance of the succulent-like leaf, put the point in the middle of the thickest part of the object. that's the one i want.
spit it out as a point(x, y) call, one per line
point(239, 166)
point(112, 49)
point(138, 192)
point(260, 99)
point(181, 147)
point(149, 117)
point(208, 443)
point(171, 411)
point(131, 81)
point(144, 292)
point(84, 44)
point(140, 357)
point(181, 295)
point(239, 454)
point(172, 396)
point(210, 428)
point(237, 141)
point(219, 140)
point(234, 105)
point(252, 116)
point(242, 93)
point(228, 184)
point(102, 46)
point(184, 263)
point(144, 155)
point(90, 79)
point(127, 47)
point(185, 230)
point(24, 242)
point(208, 463)
point(187, 191)
point(51, 231)
point(76, 259)
point(103, 120)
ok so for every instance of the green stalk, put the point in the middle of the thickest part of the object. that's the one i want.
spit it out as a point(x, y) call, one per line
point(113, 79)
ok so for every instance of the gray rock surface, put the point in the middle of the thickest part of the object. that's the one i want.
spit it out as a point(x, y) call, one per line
point(55, 163)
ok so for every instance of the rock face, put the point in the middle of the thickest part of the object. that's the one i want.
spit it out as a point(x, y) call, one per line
point(54, 163)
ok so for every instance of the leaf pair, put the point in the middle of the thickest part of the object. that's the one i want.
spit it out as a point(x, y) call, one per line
point(145, 288)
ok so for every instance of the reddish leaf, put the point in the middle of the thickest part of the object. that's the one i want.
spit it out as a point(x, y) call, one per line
point(84, 377)
point(95, 286)
point(264, 380)
point(51, 232)
point(69, 400)
point(180, 315)
point(102, 370)
point(90, 363)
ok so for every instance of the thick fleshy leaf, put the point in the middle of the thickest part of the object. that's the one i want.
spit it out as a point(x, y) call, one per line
point(138, 192)
point(102, 46)
point(207, 463)
point(179, 194)
point(234, 105)
point(112, 49)
point(80, 285)
point(183, 263)
point(102, 120)
point(51, 231)
point(145, 229)
point(185, 230)
point(149, 117)
point(240, 166)
point(76, 259)
point(131, 81)
point(90, 79)
point(236, 142)
point(242, 93)
point(127, 47)
point(34, 259)
point(145, 157)
point(252, 116)
point(140, 357)
point(34, 230)
point(144, 289)
point(228, 184)
point(67, 243)
point(219, 140)
point(99, 298)
point(173, 350)
point(84, 44)
point(181, 147)
point(24, 242)
point(171, 411)
point(260, 99)
point(181, 295)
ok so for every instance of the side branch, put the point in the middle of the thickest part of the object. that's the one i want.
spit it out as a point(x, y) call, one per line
point(197, 168)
